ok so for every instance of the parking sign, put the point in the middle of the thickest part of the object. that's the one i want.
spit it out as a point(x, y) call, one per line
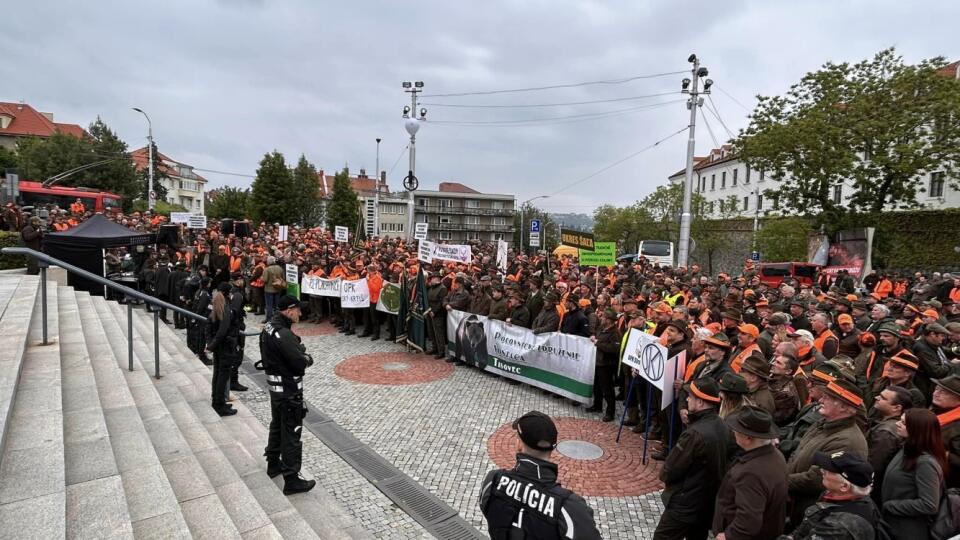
point(534, 225)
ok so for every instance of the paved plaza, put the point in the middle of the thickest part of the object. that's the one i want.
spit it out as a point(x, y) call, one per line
point(446, 426)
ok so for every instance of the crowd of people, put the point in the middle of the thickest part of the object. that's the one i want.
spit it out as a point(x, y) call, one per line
point(822, 409)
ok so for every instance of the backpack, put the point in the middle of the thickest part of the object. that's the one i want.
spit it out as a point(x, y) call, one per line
point(946, 524)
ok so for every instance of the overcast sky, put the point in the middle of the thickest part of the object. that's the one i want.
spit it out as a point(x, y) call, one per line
point(226, 81)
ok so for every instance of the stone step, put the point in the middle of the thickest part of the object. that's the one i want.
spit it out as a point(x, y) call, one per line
point(320, 509)
point(15, 325)
point(32, 488)
point(96, 503)
point(204, 510)
point(154, 511)
point(219, 445)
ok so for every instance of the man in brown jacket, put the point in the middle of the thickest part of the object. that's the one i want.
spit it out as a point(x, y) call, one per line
point(756, 371)
point(836, 430)
point(752, 498)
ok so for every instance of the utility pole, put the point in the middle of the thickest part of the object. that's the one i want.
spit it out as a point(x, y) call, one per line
point(151, 197)
point(695, 101)
point(376, 195)
point(412, 125)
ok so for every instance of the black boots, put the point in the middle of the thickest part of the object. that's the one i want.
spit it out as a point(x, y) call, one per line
point(237, 387)
point(294, 484)
point(225, 410)
point(274, 468)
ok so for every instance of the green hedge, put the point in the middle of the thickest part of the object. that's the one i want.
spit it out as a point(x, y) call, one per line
point(922, 240)
point(11, 239)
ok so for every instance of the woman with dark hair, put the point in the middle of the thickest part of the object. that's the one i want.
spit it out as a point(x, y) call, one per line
point(913, 484)
point(223, 343)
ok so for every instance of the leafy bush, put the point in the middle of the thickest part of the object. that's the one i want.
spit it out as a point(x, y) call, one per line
point(7, 262)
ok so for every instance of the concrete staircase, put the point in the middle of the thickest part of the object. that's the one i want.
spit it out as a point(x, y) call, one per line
point(92, 450)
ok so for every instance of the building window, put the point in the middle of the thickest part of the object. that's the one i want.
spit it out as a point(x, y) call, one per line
point(936, 184)
point(421, 202)
point(446, 203)
point(746, 179)
point(444, 219)
point(444, 235)
point(423, 218)
point(196, 204)
point(746, 203)
point(837, 193)
point(762, 174)
point(759, 202)
point(470, 203)
point(722, 207)
point(735, 171)
point(471, 220)
point(776, 202)
point(499, 221)
point(723, 180)
point(473, 236)
point(496, 236)
point(713, 182)
point(497, 205)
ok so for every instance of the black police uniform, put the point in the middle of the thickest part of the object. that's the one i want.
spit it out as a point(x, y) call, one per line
point(237, 301)
point(284, 360)
point(527, 502)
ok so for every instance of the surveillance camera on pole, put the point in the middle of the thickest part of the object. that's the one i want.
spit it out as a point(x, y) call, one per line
point(690, 86)
point(412, 125)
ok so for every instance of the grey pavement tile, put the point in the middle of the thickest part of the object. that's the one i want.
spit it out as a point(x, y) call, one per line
point(207, 519)
point(267, 532)
point(292, 525)
point(148, 493)
point(267, 493)
point(218, 468)
point(18, 473)
point(162, 527)
point(88, 459)
point(166, 438)
point(98, 509)
point(30, 430)
point(40, 518)
point(133, 450)
point(187, 479)
point(83, 425)
point(122, 420)
point(77, 398)
point(242, 506)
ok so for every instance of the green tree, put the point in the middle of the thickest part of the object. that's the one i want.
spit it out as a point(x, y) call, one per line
point(40, 159)
point(784, 239)
point(548, 228)
point(308, 208)
point(712, 233)
point(162, 207)
point(344, 207)
point(8, 159)
point(230, 202)
point(880, 124)
point(119, 175)
point(159, 175)
point(271, 192)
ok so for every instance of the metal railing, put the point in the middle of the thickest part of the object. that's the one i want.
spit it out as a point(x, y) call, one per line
point(44, 261)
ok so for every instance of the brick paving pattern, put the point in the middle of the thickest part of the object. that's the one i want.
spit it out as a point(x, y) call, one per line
point(393, 368)
point(619, 472)
point(435, 432)
point(309, 330)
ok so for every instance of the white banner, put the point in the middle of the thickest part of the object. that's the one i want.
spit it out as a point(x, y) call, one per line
point(179, 217)
point(452, 252)
point(319, 286)
point(354, 294)
point(197, 221)
point(425, 251)
point(560, 363)
point(341, 234)
point(644, 353)
point(420, 231)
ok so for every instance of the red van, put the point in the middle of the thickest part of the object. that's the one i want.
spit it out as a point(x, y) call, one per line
point(773, 274)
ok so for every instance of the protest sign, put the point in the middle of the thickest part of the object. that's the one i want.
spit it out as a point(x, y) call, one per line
point(560, 363)
point(425, 251)
point(502, 255)
point(197, 221)
point(603, 254)
point(293, 284)
point(354, 294)
point(577, 239)
point(644, 353)
point(319, 286)
point(420, 231)
point(389, 298)
point(179, 217)
point(452, 252)
point(283, 233)
point(341, 234)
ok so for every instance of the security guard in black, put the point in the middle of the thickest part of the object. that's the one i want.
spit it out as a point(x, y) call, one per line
point(284, 359)
point(526, 502)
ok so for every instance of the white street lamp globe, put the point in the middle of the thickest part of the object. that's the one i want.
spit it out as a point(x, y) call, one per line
point(412, 125)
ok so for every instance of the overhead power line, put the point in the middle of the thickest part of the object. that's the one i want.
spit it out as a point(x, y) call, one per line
point(619, 161)
point(556, 86)
point(735, 100)
point(402, 152)
point(530, 106)
point(552, 119)
point(716, 144)
point(716, 113)
point(226, 173)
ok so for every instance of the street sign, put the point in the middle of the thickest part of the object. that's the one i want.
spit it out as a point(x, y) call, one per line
point(534, 239)
point(420, 231)
point(755, 256)
point(535, 225)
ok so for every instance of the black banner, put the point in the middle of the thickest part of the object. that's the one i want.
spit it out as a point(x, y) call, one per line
point(577, 239)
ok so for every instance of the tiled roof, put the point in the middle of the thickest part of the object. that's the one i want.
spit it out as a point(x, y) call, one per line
point(951, 70)
point(456, 187)
point(141, 158)
point(364, 185)
point(27, 121)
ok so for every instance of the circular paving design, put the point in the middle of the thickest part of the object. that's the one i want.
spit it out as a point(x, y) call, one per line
point(311, 329)
point(616, 472)
point(393, 368)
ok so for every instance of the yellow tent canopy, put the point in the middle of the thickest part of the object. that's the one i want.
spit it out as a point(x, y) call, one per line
point(566, 250)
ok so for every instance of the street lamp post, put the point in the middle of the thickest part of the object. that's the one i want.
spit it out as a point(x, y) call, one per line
point(376, 194)
point(523, 208)
point(693, 103)
point(151, 198)
point(412, 125)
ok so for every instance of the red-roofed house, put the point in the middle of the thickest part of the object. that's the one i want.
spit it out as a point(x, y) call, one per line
point(184, 187)
point(18, 120)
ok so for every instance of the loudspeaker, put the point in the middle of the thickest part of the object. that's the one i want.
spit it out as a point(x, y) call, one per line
point(241, 229)
point(169, 235)
point(226, 226)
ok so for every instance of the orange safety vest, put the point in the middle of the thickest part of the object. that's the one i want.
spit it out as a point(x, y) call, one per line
point(955, 295)
point(822, 339)
point(883, 288)
point(692, 367)
point(235, 263)
point(374, 285)
point(949, 417)
point(737, 361)
point(900, 289)
point(259, 281)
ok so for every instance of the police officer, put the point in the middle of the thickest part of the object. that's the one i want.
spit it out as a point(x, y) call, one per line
point(527, 501)
point(284, 360)
point(237, 301)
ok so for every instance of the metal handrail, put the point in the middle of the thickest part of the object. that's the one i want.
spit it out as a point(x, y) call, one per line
point(44, 261)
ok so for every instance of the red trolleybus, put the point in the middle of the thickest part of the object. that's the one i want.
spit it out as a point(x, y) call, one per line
point(34, 194)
